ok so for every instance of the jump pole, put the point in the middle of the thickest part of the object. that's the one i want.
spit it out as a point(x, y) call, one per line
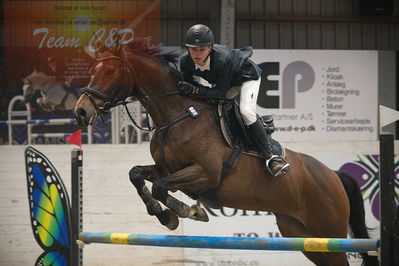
point(247, 243)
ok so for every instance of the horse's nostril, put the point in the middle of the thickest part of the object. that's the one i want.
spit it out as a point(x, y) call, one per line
point(81, 112)
point(80, 115)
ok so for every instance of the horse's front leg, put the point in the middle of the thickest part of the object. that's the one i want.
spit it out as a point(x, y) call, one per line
point(137, 176)
point(189, 179)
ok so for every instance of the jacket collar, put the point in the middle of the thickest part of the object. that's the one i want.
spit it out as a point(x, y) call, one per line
point(206, 66)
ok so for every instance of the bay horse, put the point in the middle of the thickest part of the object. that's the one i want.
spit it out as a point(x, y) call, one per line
point(309, 201)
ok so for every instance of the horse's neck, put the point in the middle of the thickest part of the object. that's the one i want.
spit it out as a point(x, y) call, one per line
point(157, 82)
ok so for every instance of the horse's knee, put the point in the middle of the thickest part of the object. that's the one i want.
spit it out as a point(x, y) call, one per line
point(159, 190)
point(135, 176)
point(210, 182)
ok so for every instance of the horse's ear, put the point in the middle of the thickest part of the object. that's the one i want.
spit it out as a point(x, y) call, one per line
point(117, 43)
point(99, 47)
point(34, 73)
point(90, 52)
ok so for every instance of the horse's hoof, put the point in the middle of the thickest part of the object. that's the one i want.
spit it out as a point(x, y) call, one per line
point(199, 214)
point(173, 220)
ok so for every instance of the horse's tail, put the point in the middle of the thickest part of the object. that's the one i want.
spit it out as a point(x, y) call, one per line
point(357, 220)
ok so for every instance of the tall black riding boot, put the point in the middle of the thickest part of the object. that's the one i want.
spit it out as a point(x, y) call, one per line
point(276, 165)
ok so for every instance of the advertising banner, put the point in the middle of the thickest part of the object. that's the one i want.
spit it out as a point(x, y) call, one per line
point(320, 94)
point(49, 49)
point(64, 35)
point(239, 223)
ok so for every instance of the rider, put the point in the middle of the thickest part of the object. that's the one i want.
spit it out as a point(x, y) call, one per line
point(219, 72)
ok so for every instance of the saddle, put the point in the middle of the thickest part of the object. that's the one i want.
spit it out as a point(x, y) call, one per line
point(236, 135)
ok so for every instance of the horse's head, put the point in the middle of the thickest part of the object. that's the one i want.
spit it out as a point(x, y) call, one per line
point(105, 87)
point(118, 74)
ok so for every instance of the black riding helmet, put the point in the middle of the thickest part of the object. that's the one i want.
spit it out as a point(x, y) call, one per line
point(199, 35)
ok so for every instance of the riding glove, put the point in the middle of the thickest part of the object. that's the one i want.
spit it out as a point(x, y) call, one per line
point(187, 88)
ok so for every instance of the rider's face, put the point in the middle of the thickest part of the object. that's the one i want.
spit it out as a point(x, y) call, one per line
point(199, 54)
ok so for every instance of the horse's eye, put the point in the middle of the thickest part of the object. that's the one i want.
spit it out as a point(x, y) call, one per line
point(109, 72)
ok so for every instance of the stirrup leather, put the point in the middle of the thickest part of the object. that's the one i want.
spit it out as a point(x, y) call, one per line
point(282, 171)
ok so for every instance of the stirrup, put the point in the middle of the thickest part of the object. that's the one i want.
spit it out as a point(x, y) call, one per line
point(282, 171)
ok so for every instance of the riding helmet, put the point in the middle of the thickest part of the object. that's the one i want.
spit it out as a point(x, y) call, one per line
point(199, 35)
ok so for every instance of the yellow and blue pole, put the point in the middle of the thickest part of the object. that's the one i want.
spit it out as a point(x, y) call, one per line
point(250, 243)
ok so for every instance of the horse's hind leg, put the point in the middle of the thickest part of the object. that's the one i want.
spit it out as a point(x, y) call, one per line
point(291, 227)
point(137, 176)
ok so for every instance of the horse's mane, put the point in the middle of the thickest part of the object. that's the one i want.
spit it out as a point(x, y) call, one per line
point(143, 47)
point(147, 48)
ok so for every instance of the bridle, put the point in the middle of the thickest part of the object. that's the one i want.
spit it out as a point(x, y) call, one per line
point(111, 101)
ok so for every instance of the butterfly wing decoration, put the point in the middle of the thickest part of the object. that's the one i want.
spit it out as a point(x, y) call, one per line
point(54, 258)
point(49, 209)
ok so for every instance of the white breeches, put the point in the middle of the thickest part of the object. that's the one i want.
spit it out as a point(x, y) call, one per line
point(248, 98)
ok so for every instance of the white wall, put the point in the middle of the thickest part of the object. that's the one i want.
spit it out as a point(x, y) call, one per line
point(110, 201)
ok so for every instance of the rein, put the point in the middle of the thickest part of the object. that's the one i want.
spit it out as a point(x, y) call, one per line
point(190, 112)
point(88, 91)
point(110, 102)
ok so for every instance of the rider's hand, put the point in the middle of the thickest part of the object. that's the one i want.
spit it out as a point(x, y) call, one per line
point(186, 88)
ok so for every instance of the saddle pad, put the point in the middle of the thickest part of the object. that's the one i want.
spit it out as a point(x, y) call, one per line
point(232, 132)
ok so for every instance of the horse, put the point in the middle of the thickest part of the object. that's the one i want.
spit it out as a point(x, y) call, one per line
point(54, 94)
point(189, 151)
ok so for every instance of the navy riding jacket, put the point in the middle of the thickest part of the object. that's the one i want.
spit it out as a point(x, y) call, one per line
point(228, 68)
